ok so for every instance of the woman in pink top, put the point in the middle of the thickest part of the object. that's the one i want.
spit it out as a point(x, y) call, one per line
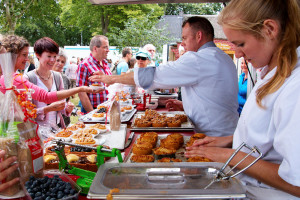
point(20, 46)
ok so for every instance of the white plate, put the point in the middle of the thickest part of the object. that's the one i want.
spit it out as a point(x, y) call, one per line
point(97, 87)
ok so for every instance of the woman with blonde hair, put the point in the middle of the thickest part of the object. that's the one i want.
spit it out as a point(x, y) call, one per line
point(267, 34)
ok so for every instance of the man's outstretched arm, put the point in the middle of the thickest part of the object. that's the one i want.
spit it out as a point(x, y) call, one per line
point(124, 78)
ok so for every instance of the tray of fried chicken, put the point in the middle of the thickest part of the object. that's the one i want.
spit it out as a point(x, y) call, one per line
point(169, 147)
point(152, 120)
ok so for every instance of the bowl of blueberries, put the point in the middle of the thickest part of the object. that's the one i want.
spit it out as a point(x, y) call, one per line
point(54, 185)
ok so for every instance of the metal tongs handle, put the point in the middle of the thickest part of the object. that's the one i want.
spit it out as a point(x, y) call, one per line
point(224, 176)
point(221, 175)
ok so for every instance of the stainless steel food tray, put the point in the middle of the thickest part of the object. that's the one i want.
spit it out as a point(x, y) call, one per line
point(163, 181)
point(89, 119)
point(186, 126)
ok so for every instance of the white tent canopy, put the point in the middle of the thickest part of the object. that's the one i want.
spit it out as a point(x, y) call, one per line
point(120, 2)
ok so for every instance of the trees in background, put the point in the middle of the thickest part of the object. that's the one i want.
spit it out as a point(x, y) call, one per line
point(73, 22)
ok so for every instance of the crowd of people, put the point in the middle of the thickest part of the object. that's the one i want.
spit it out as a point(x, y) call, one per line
point(264, 33)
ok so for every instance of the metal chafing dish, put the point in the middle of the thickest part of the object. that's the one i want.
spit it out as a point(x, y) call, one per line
point(171, 180)
point(163, 181)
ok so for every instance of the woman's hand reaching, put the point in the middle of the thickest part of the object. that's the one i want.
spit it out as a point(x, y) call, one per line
point(6, 168)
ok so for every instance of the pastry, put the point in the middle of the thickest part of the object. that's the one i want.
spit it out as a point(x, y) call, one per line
point(173, 122)
point(143, 123)
point(85, 141)
point(181, 117)
point(82, 135)
point(91, 131)
point(72, 158)
point(142, 148)
point(142, 158)
point(159, 123)
point(49, 158)
point(64, 133)
point(92, 158)
point(194, 137)
point(98, 115)
point(149, 139)
point(170, 143)
point(199, 159)
point(165, 159)
point(161, 152)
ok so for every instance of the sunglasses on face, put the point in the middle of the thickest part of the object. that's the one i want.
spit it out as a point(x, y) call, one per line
point(141, 58)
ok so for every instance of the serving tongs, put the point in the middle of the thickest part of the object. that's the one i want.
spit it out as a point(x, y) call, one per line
point(222, 175)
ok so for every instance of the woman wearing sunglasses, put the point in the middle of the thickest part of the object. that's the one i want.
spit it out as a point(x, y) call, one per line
point(143, 58)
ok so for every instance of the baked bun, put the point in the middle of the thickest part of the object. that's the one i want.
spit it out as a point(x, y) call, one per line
point(142, 148)
point(143, 123)
point(199, 159)
point(159, 123)
point(195, 137)
point(142, 158)
point(181, 117)
point(165, 159)
point(147, 139)
point(161, 152)
point(173, 122)
point(170, 143)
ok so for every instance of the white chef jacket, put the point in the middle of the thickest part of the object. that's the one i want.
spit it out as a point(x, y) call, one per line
point(209, 87)
point(274, 130)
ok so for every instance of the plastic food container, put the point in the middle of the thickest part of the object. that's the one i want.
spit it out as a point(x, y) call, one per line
point(65, 178)
point(163, 181)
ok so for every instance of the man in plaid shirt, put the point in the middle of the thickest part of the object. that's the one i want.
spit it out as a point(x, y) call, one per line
point(99, 47)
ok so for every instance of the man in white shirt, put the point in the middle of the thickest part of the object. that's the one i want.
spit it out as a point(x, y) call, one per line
point(205, 73)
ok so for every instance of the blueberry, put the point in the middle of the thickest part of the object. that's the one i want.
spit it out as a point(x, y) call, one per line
point(52, 199)
point(56, 176)
point(54, 190)
point(31, 194)
point(29, 190)
point(31, 178)
point(66, 191)
point(68, 185)
point(35, 189)
point(60, 195)
point(72, 191)
point(48, 198)
point(38, 194)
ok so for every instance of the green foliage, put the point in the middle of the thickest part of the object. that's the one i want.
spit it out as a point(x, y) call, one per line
point(72, 22)
point(192, 8)
point(138, 32)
